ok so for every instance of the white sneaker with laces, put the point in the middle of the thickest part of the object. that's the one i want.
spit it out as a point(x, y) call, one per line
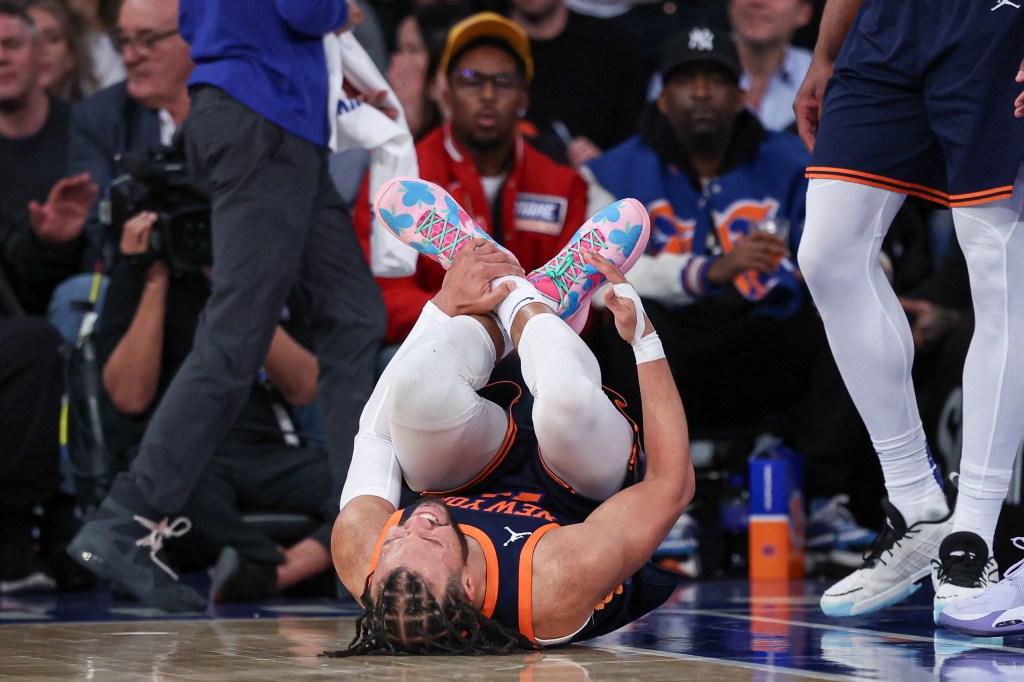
point(897, 561)
point(964, 569)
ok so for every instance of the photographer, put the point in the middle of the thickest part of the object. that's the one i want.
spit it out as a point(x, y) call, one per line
point(143, 335)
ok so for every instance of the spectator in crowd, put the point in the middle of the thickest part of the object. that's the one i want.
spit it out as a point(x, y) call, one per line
point(143, 335)
point(136, 115)
point(34, 257)
point(773, 68)
point(66, 69)
point(100, 16)
point(522, 198)
point(589, 87)
point(257, 143)
point(33, 124)
point(747, 349)
point(646, 24)
point(412, 71)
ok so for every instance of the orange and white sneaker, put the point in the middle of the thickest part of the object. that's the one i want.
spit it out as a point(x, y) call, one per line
point(619, 232)
point(427, 218)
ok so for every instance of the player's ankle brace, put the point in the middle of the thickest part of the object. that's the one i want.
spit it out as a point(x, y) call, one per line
point(645, 348)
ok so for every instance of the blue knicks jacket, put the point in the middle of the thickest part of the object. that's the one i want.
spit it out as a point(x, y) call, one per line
point(763, 177)
point(268, 55)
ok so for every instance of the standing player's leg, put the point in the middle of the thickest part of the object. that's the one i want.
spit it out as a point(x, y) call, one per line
point(870, 338)
point(992, 239)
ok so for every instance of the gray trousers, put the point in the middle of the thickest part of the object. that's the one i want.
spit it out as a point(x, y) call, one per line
point(277, 223)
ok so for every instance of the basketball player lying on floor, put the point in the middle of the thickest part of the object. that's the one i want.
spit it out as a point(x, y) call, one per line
point(525, 535)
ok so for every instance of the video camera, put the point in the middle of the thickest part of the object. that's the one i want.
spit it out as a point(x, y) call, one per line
point(159, 182)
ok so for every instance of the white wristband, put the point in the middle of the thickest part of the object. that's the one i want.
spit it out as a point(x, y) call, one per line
point(645, 348)
point(626, 290)
point(648, 349)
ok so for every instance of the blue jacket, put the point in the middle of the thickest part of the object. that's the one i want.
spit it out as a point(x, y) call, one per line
point(268, 55)
point(763, 177)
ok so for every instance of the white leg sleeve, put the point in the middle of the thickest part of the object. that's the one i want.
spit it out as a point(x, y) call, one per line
point(374, 469)
point(993, 243)
point(444, 433)
point(868, 331)
point(583, 437)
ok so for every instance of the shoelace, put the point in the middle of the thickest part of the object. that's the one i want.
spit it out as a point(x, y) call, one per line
point(884, 544)
point(1019, 566)
point(565, 272)
point(962, 568)
point(431, 220)
point(155, 539)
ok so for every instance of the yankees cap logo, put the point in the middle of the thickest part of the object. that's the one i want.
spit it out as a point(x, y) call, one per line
point(703, 39)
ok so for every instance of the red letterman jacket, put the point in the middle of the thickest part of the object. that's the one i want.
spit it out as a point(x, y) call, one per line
point(540, 206)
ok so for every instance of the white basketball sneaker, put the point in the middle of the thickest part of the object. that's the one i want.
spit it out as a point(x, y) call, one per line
point(893, 568)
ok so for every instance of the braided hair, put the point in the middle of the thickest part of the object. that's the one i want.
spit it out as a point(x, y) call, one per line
point(407, 619)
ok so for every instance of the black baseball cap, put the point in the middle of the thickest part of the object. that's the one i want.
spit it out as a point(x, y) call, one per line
point(700, 44)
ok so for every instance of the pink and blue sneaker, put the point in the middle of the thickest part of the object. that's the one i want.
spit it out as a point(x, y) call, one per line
point(619, 232)
point(427, 218)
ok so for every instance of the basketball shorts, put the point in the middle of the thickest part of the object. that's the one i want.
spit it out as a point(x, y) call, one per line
point(921, 100)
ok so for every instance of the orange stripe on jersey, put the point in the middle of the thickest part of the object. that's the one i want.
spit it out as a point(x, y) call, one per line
point(391, 523)
point(922, 191)
point(491, 559)
point(526, 581)
point(506, 445)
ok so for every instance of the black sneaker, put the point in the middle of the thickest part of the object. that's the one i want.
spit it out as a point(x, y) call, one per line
point(22, 570)
point(125, 548)
point(964, 568)
point(236, 579)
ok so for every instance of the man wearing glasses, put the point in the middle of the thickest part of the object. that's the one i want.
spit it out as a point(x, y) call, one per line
point(140, 113)
point(522, 198)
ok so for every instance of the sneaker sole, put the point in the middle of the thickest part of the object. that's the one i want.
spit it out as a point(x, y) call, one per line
point(978, 630)
point(894, 595)
point(34, 582)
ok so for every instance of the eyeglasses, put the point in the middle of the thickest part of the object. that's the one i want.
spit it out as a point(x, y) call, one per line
point(144, 41)
point(504, 83)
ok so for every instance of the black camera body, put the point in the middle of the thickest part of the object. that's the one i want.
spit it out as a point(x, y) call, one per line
point(159, 182)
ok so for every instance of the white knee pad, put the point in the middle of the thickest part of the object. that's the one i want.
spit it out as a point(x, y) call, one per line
point(432, 383)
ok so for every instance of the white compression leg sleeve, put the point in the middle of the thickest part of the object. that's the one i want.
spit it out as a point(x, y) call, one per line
point(584, 439)
point(443, 432)
point(993, 422)
point(869, 334)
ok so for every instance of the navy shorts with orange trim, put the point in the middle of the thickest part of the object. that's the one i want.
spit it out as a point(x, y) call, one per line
point(921, 100)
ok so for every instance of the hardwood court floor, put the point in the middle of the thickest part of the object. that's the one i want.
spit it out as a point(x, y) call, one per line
point(711, 630)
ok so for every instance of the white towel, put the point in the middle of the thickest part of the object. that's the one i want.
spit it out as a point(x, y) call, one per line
point(390, 143)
